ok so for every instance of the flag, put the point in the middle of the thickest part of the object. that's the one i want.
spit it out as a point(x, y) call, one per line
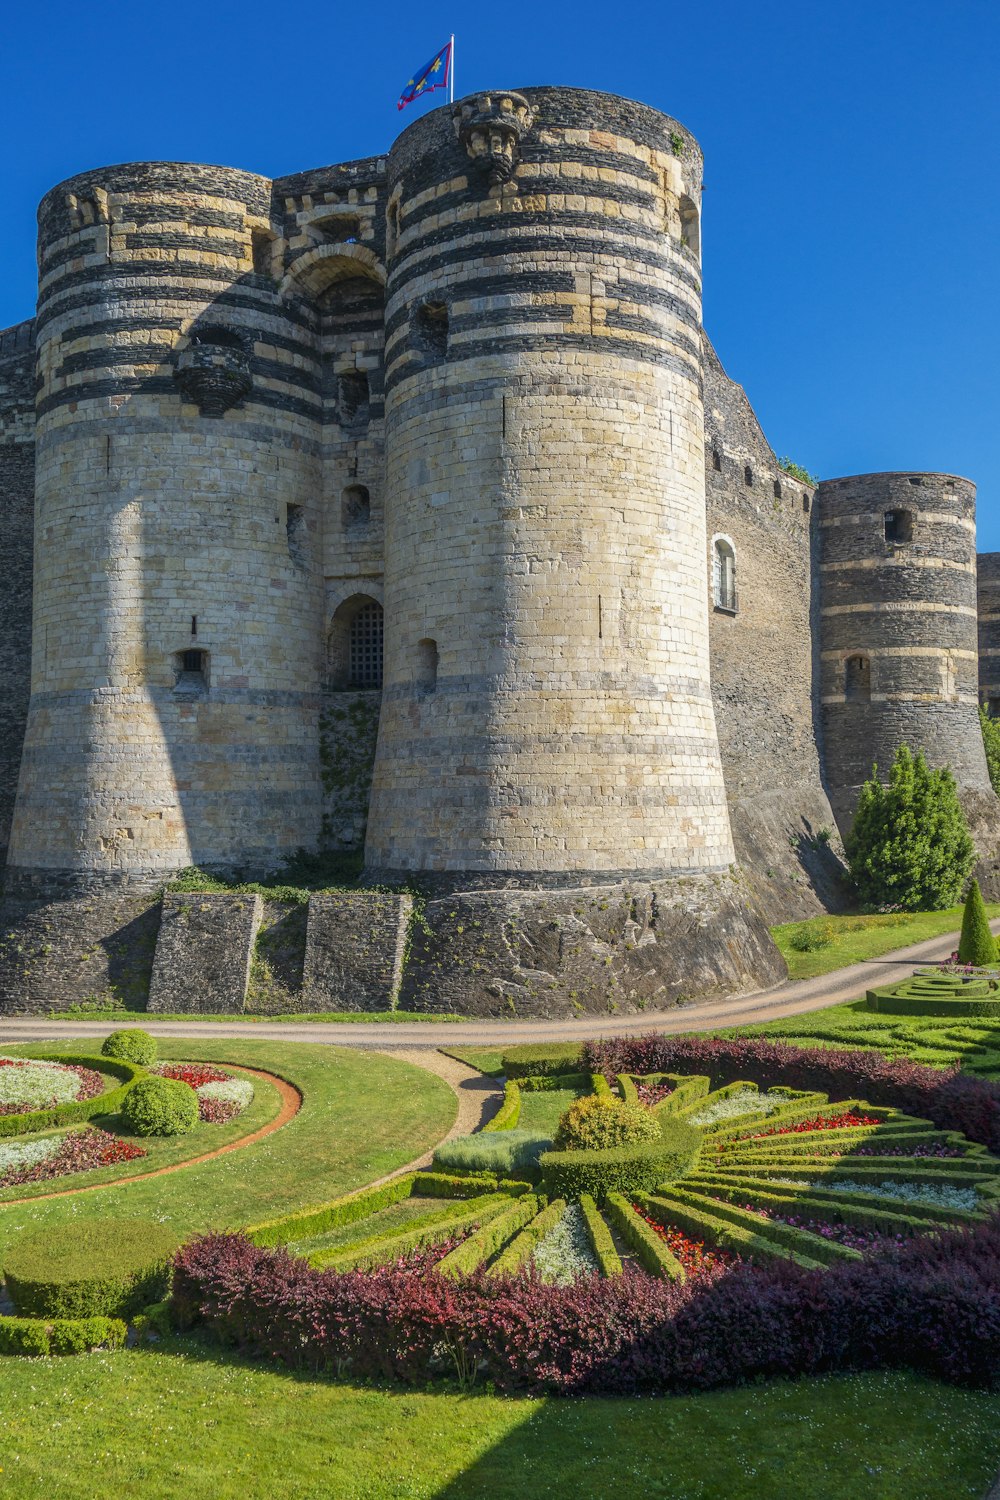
point(434, 76)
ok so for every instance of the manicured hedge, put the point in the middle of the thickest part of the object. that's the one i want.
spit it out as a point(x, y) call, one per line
point(540, 1083)
point(509, 1113)
point(160, 1106)
point(865, 1210)
point(524, 1062)
point(308, 1222)
point(60, 1335)
point(488, 1238)
point(754, 1243)
point(108, 1103)
point(377, 1249)
point(801, 1242)
point(952, 1100)
point(104, 1267)
point(461, 1185)
point(652, 1252)
point(601, 1242)
point(622, 1169)
point(523, 1245)
point(933, 1306)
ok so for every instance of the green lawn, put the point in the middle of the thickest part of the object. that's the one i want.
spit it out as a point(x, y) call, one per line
point(851, 939)
point(188, 1420)
point(542, 1110)
point(363, 1115)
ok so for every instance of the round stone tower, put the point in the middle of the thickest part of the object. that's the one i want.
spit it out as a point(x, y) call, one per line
point(178, 594)
point(547, 717)
point(898, 628)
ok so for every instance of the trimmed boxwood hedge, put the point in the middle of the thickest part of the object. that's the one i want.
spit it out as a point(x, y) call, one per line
point(108, 1103)
point(937, 994)
point(60, 1335)
point(509, 1113)
point(307, 1222)
point(528, 1061)
point(622, 1169)
point(599, 1234)
point(753, 1241)
point(131, 1044)
point(160, 1106)
point(387, 1247)
point(488, 1238)
point(106, 1267)
point(523, 1245)
point(652, 1252)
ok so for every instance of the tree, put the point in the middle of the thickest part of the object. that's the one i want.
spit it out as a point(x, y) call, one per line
point(991, 744)
point(977, 945)
point(910, 846)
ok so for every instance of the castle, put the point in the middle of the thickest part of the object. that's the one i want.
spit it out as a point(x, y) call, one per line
point(405, 501)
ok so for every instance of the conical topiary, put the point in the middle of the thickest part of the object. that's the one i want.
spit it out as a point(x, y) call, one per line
point(977, 945)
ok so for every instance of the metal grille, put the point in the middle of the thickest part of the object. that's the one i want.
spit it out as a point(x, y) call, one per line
point(366, 647)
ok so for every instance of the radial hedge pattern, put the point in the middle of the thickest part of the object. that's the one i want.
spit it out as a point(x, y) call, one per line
point(737, 1174)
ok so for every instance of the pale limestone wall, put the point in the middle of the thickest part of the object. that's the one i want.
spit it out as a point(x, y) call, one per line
point(150, 516)
point(545, 508)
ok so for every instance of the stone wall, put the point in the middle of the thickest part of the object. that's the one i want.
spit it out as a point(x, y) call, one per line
point(17, 465)
point(58, 953)
point(356, 944)
point(988, 614)
point(203, 952)
point(764, 659)
point(348, 729)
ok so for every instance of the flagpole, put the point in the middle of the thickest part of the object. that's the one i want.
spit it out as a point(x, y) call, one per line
point(451, 71)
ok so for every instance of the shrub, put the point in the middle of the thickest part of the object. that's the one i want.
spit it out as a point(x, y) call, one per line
point(131, 1045)
point(160, 1106)
point(601, 1242)
point(509, 1113)
point(109, 1267)
point(502, 1152)
point(622, 1169)
point(488, 1238)
point(933, 1305)
point(949, 1099)
point(910, 846)
point(649, 1249)
point(61, 1336)
point(524, 1062)
point(976, 945)
point(600, 1120)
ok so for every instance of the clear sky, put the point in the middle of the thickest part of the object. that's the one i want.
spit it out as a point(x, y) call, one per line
point(852, 211)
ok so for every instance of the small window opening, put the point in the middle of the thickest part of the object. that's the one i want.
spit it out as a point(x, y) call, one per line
point(194, 624)
point(777, 489)
point(392, 227)
point(716, 460)
point(218, 336)
point(353, 398)
point(690, 226)
point(191, 668)
point(724, 577)
point(915, 479)
point(858, 679)
point(355, 508)
point(430, 329)
point(365, 647)
point(898, 525)
point(295, 533)
point(426, 665)
point(805, 503)
point(261, 243)
point(748, 477)
point(339, 229)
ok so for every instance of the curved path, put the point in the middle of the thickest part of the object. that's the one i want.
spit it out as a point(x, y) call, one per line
point(789, 999)
point(291, 1103)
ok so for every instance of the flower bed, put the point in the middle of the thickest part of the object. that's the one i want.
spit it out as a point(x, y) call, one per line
point(221, 1096)
point(27, 1084)
point(936, 1195)
point(742, 1102)
point(692, 1254)
point(843, 1234)
point(565, 1253)
point(651, 1094)
point(56, 1156)
point(848, 1120)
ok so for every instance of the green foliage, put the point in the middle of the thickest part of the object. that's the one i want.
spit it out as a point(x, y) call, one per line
point(509, 1113)
point(131, 1045)
point(78, 1109)
point(599, 1121)
point(487, 1240)
point(977, 945)
point(601, 1243)
point(809, 937)
point(527, 1061)
point(716, 1230)
point(308, 1222)
point(160, 1106)
point(108, 1267)
point(652, 1253)
point(931, 992)
point(622, 1169)
point(797, 472)
point(381, 1248)
point(60, 1335)
point(910, 846)
point(523, 1245)
point(991, 745)
point(502, 1152)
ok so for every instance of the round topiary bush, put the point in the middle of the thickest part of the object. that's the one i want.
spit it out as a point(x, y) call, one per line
point(131, 1045)
point(107, 1267)
point(598, 1122)
point(160, 1106)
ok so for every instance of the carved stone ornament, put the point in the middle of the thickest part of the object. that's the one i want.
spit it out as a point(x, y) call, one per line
point(214, 376)
point(490, 127)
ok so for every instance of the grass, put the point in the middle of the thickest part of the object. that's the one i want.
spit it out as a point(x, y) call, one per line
point(364, 1114)
point(186, 1419)
point(543, 1110)
point(850, 939)
point(387, 1221)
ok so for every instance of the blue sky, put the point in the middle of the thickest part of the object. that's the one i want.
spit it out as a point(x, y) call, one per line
point(852, 213)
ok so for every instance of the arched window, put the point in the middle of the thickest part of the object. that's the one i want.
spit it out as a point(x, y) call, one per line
point(690, 225)
point(354, 645)
point(426, 665)
point(748, 476)
point(724, 576)
point(355, 508)
point(858, 679)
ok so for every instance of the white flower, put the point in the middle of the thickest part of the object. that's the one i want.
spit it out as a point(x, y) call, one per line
point(238, 1091)
point(31, 1084)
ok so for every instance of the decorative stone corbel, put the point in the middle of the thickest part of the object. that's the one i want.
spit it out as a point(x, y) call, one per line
point(213, 372)
point(490, 127)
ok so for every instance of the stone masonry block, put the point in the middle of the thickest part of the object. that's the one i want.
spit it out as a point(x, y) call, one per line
point(355, 950)
point(204, 952)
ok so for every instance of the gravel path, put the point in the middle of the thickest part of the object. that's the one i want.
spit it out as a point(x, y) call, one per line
point(788, 999)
